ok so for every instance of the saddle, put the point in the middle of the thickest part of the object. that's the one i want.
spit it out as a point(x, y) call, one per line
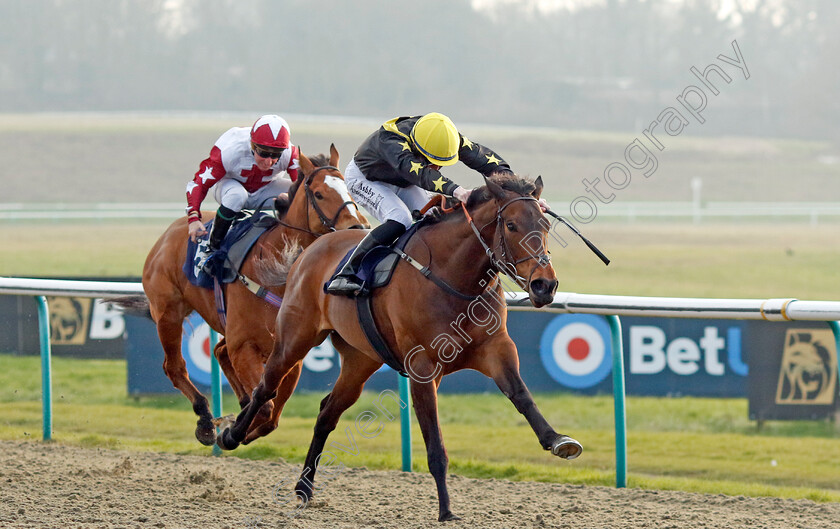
point(227, 260)
point(376, 269)
point(378, 264)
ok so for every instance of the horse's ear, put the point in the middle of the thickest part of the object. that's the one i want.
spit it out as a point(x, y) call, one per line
point(538, 184)
point(495, 189)
point(333, 155)
point(305, 164)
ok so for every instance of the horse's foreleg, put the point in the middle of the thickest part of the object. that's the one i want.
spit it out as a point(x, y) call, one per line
point(282, 361)
point(169, 331)
point(424, 397)
point(287, 387)
point(356, 368)
point(504, 370)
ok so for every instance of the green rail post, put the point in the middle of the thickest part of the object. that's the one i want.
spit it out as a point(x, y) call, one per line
point(835, 328)
point(215, 384)
point(46, 362)
point(618, 399)
point(405, 423)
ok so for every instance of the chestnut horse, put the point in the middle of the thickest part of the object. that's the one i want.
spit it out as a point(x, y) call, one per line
point(432, 329)
point(320, 204)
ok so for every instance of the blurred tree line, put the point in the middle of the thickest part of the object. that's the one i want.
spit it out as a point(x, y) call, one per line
point(609, 64)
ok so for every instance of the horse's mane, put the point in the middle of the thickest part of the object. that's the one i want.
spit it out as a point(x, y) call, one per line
point(508, 181)
point(318, 160)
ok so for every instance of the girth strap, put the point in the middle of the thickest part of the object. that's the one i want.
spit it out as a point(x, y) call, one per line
point(364, 307)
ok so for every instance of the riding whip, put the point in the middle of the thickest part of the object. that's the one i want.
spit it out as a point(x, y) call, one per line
point(579, 234)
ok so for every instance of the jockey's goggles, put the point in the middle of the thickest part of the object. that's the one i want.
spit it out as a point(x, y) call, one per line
point(264, 152)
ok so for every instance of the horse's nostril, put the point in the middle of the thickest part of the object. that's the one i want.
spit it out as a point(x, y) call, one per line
point(357, 227)
point(543, 286)
point(538, 286)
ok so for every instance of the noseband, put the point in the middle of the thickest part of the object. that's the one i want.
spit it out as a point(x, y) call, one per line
point(328, 223)
point(500, 256)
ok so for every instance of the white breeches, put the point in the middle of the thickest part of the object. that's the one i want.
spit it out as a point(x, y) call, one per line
point(231, 194)
point(385, 201)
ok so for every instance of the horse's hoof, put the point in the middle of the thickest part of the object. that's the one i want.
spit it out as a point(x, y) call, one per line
point(448, 517)
point(304, 495)
point(206, 437)
point(225, 440)
point(304, 491)
point(205, 433)
point(566, 447)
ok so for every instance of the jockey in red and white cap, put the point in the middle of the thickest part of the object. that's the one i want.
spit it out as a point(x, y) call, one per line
point(247, 166)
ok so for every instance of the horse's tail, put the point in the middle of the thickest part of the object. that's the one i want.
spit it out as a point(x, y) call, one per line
point(133, 305)
point(274, 271)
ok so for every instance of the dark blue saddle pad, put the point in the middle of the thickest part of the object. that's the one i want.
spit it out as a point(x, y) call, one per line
point(227, 260)
point(378, 264)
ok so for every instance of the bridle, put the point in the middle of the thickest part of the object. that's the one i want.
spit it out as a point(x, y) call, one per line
point(500, 255)
point(328, 223)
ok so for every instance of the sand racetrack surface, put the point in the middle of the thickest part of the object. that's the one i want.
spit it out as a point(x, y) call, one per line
point(48, 485)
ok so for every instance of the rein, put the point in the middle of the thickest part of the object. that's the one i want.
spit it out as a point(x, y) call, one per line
point(502, 263)
point(261, 291)
point(328, 223)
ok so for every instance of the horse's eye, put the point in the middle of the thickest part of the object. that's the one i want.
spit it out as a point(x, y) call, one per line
point(318, 195)
point(511, 226)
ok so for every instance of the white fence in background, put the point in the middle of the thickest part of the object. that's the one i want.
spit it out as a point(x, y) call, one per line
point(812, 212)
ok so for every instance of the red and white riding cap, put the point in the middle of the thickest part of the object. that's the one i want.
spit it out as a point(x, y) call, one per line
point(271, 131)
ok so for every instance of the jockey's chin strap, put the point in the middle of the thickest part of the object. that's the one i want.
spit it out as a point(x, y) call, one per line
point(501, 262)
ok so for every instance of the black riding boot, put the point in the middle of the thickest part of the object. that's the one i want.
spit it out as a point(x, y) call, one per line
point(345, 281)
point(221, 225)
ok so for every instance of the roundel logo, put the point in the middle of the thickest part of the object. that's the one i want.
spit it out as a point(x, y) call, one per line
point(195, 348)
point(575, 350)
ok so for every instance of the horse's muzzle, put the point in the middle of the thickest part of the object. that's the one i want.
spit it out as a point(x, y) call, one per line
point(542, 291)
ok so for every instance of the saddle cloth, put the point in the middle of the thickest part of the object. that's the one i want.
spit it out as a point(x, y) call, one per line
point(378, 264)
point(226, 261)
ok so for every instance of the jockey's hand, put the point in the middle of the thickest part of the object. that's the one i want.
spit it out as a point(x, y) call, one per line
point(543, 204)
point(196, 230)
point(461, 194)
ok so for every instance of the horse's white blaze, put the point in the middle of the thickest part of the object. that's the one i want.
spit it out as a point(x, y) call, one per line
point(341, 188)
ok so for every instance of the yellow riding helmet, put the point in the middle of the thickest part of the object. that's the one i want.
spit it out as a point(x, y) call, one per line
point(436, 137)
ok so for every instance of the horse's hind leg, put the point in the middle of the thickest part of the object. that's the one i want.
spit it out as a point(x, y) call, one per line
point(221, 353)
point(502, 365)
point(169, 331)
point(356, 368)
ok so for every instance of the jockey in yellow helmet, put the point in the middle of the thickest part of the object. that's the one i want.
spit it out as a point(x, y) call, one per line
point(393, 173)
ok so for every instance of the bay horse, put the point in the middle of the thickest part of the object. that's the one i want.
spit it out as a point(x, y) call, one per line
point(431, 329)
point(320, 203)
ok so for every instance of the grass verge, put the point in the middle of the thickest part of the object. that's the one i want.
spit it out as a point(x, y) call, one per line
point(691, 444)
